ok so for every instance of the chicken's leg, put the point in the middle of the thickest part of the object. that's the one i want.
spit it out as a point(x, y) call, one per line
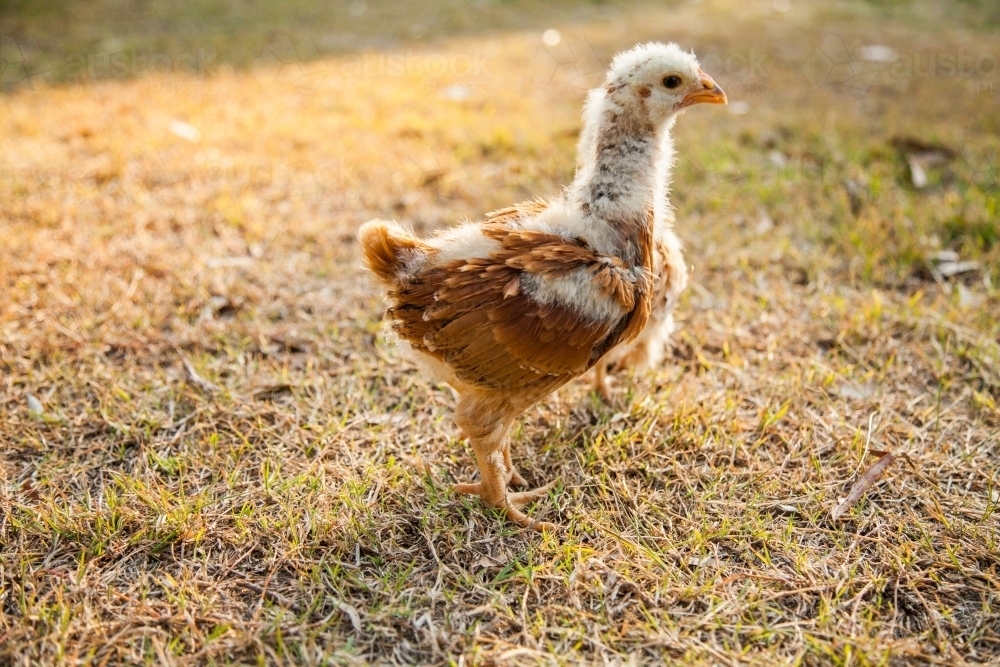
point(489, 438)
point(514, 478)
point(601, 383)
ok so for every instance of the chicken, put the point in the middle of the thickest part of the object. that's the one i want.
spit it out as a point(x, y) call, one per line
point(508, 310)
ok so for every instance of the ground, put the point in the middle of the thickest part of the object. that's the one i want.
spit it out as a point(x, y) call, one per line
point(212, 454)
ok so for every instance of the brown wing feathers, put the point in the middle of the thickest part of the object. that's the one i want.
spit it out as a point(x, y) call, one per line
point(504, 217)
point(473, 314)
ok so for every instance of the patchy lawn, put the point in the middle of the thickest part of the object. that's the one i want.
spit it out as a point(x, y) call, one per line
point(211, 455)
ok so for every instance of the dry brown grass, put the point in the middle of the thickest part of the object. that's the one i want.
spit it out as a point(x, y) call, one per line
point(292, 505)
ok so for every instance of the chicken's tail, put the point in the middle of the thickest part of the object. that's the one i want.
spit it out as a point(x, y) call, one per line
point(391, 252)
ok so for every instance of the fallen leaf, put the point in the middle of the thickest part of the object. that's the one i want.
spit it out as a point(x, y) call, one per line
point(197, 380)
point(34, 405)
point(856, 391)
point(352, 613)
point(394, 418)
point(29, 490)
point(271, 392)
point(944, 256)
point(703, 561)
point(917, 172)
point(485, 563)
point(946, 264)
point(920, 155)
point(948, 269)
point(864, 483)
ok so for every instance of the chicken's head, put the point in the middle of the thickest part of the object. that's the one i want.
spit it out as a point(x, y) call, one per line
point(659, 80)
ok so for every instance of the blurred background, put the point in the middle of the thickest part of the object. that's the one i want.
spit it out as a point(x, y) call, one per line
point(52, 34)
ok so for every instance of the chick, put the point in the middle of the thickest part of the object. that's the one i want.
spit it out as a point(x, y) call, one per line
point(508, 310)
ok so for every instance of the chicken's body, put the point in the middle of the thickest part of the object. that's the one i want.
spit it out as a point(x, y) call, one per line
point(508, 310)
point(648, 349)
point(670, 277)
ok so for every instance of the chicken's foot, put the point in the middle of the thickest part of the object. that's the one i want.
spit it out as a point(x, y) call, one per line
point(496, 473)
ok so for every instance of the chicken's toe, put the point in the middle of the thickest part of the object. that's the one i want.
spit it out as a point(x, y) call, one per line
point(525, 521)
point(524, 497)
point(510, 503)
point(516, 479)
point(528, 522)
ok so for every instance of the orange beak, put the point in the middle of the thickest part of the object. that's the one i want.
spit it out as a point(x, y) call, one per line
point(708, 92)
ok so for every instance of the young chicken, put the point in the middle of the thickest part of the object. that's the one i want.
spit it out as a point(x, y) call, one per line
point(508, 310)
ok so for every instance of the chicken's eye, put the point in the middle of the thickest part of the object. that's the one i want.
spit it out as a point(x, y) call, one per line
point(671, 81)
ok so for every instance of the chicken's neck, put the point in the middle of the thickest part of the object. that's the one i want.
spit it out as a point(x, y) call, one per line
point(616, 190)
point(663, 211)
